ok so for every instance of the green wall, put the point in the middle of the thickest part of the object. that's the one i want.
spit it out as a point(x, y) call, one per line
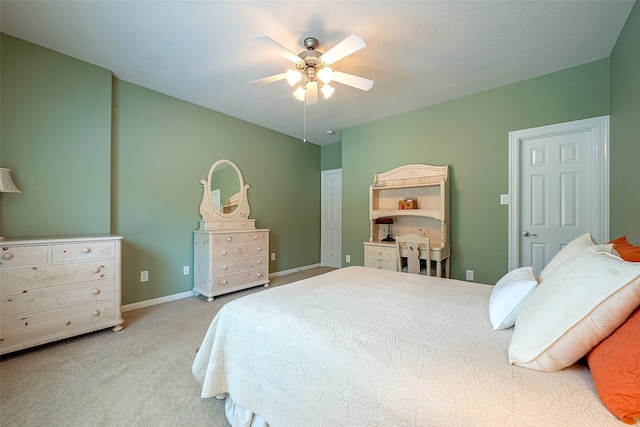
point(471, 135)
point(56, 139)
point(331, 156)
point(625, 131)
point(96, 155)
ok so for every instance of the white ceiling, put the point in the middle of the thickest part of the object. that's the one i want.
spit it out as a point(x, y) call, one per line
point(419, 53)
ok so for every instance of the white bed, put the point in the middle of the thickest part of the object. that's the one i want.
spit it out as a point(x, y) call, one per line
point(365, 347)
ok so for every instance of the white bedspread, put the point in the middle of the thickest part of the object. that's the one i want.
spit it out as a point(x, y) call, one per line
point(364, 347)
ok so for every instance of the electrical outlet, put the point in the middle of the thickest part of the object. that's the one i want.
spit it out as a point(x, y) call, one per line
point(185, 270)
point(144, 276)
point(273, 256)
point(470, 275)
point(348, 258)
point(504, 199)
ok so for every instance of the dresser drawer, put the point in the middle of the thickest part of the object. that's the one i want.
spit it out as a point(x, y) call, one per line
point(226, 239)
point(239, 280)
point(46, 326)
point(32, 302)
point(27, 279)
point(222, 252)
point(18, 256)
point(381, 264)
point(255, 237)
point(239, 264)
point(381, 253)
point(83, 251)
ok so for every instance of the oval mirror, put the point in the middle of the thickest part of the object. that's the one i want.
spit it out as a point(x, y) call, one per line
point(226, 188)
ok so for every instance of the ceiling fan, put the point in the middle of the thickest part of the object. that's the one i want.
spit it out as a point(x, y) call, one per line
point(313, 71)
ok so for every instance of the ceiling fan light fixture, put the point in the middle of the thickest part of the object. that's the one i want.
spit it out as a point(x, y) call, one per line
point(325, 74)
point(300, 93)
point(327, 91)
point(293, 77)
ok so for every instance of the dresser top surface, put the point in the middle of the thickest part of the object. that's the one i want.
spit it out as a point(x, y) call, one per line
point(56, 239)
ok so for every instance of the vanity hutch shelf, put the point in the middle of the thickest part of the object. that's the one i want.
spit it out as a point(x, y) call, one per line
point(230, 253)
point(429, 186)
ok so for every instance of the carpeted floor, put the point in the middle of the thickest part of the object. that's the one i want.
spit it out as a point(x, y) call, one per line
point(140, 376)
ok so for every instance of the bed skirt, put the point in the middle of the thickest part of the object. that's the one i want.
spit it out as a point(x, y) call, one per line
point(239, 416)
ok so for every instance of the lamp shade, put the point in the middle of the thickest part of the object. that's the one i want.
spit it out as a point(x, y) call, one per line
point(6, 183)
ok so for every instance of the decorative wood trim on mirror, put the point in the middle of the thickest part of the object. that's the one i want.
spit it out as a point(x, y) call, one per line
point(211, 214)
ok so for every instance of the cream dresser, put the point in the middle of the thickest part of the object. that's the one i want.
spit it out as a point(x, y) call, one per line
point(230, 253)
point(52, 289)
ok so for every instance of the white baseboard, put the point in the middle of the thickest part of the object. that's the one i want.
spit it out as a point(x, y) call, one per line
point(294, 270)
point(161, 300)
point(150, 302)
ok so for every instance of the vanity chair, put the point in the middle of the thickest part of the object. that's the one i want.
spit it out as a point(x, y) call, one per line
point(230, 253)
point(414, 249)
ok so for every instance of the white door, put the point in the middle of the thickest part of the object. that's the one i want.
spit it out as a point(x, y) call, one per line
point(560, 191)
point(331, 240)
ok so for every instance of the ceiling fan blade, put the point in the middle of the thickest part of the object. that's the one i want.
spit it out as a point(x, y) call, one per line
point(351, 80)
point(346, 47)
point(312, 93)
point(270, 79)
point(267, 41)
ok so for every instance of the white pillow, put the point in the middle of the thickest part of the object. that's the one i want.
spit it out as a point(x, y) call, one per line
point(573, 247)
point(507, 296)
point(578, 304)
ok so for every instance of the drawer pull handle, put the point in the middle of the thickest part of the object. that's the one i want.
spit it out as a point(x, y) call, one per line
point(95, 270)
point(86, 250)
point(224, 252)
point(228, 239)
point(224, 267)
point(8, 255)
point(95, 291)
point(96, 312)
point(224, 282)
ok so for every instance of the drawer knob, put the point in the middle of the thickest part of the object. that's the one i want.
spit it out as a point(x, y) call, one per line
point(379, 252)
point(224, 282)
point(95, 270)
point(259, 261)
point(224, 252)
point(244, 224)
point(224, 267)
point(379, 266)
point(255, 237)
point(259, 274)
point(229, 239)
point(86, 250)
point(8, 255)
point(95, 291)
point(259, 249)
point(96, 312)
point(220, 224)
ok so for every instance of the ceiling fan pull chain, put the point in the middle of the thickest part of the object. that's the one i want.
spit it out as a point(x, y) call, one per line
point(304, 121)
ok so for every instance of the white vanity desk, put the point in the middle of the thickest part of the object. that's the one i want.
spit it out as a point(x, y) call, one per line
point(230, 253)
point(428, 185)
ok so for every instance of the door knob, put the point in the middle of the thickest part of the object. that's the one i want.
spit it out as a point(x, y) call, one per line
point(527, 234)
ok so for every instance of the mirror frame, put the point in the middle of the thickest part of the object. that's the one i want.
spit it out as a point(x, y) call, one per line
point(208, 209)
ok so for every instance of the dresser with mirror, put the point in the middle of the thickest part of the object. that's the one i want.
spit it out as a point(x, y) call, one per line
point(230, 253)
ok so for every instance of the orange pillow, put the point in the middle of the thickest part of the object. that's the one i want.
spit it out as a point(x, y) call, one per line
point(626, 250)
point(615, 367)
